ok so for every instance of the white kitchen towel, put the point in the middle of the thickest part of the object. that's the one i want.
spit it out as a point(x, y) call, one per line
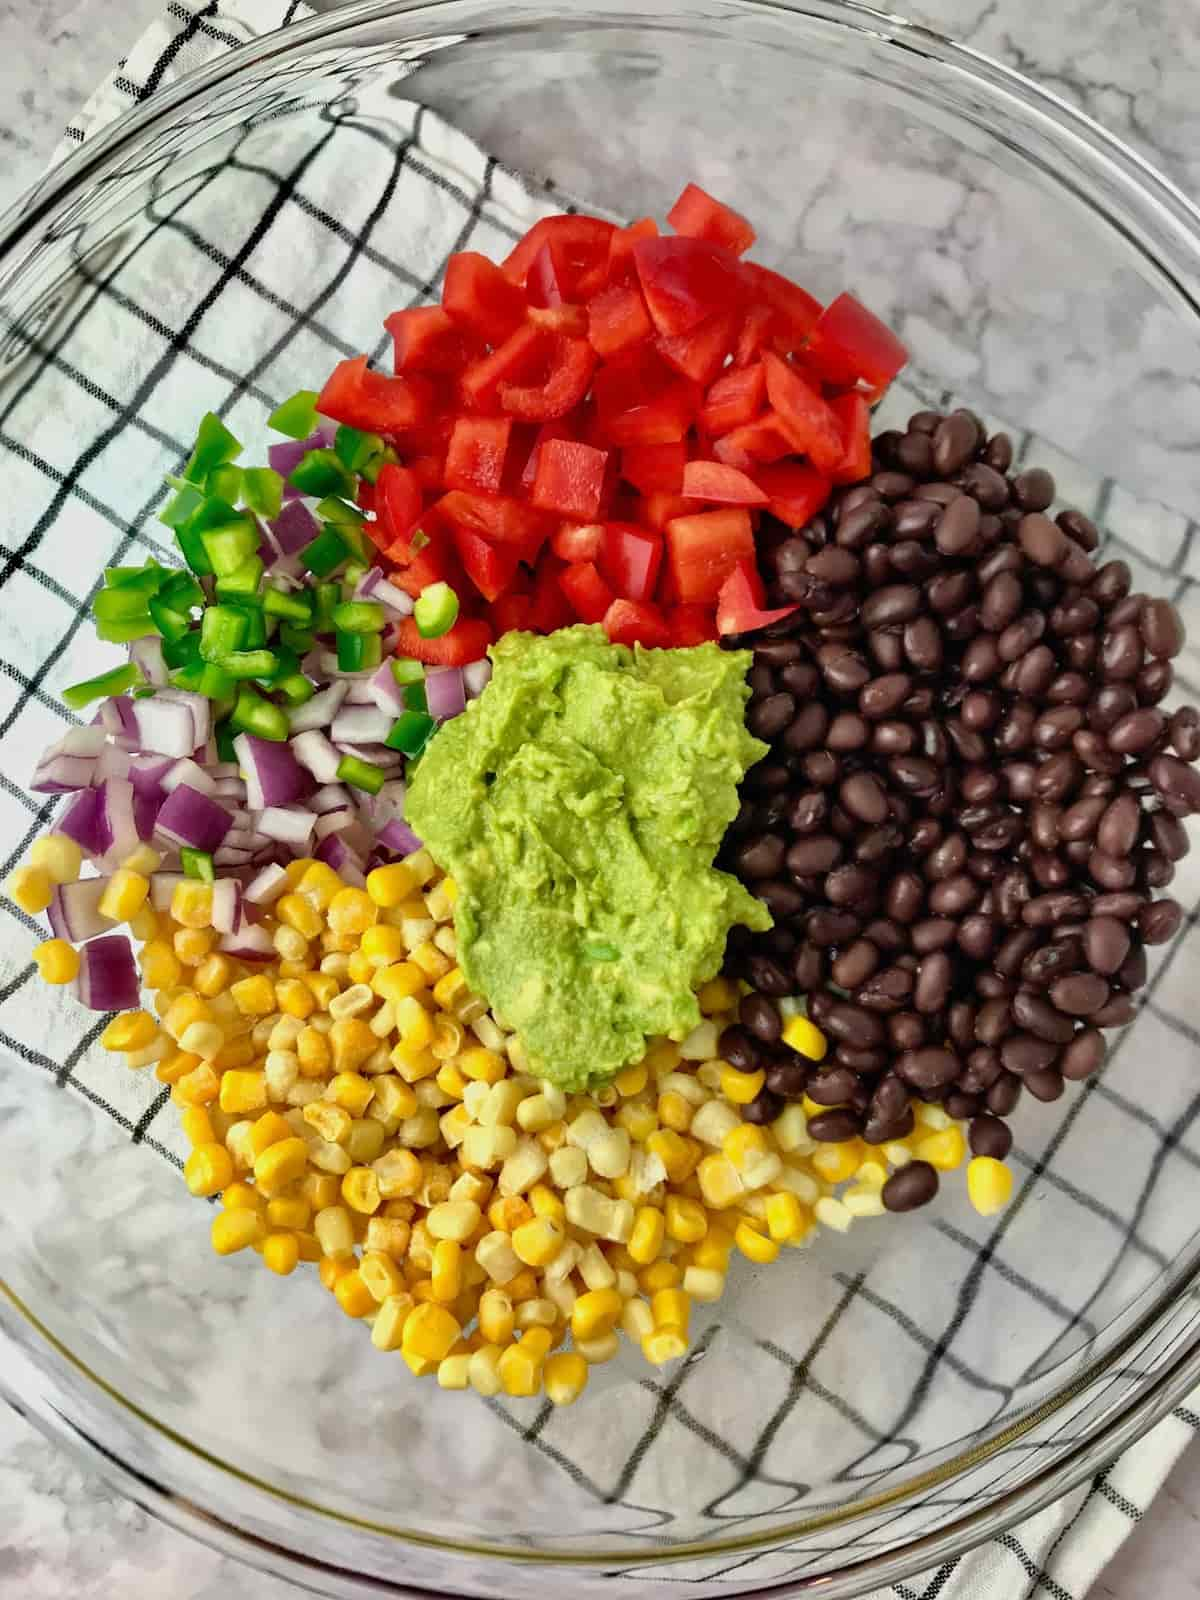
point(1060, 1551)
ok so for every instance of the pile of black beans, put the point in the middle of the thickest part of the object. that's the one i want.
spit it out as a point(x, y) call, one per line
point(971, 796)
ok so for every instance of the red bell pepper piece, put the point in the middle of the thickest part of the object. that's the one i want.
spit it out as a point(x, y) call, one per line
point(398, 507)
point(699, 216)
point(550, 609)
point(512, 613)
point(630, 559)
point(578, 541)
point(687, 280)
point(850, 339)
point(761, 440)
point(739, 605)
point(803, 415)
point(796, 311)
point(617, 319)
point(795, 491)
point(478, 297)
point(426, 340)
point(734, 399)
point(466, 641)
point(854, 421)
point(364, 499)
point(544, 283)
point(700, 354)
point(630, 622)
point(691, 625)
point(476, 455)
point(571, 320)
point(657, 509)
point(569, 372)
point(640, 400)
point(561, 428)
point(518, 357)
point(435, 562)
point(581, 246)
point(570, 479)
point(702, 551)
point(499, 519)
point(367, 400)
point(490, 567)
point(428, 470)
point(620, 249)
point(655, 467)
point(713, 480)
point(755, 335)
point(588, 596)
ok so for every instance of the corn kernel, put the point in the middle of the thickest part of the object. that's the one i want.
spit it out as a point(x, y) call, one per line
point(313, 1053)
point(388, 1236)
point(199, 1087)
point(319, 883)
point(720, 1182)
point(288, 1213)
point(281, 1253)
point(321, 1190)
point(403, 981)
point(132, 1030)
point(659, 1275)
point(678, 1155)
point(242, 1091)
point(671, 1308)
point(235, 1230)
point(703, 1284)
point(429, 1332)
point(57, 961)
point(565, 1377)
point(944, 1150)
point(649, 1231)
point(785, 1216)
point(352, 1294)
point(741, 1087)
point(805, 1038)
point(536, 1243)
point(58, 856)
point(686, 1220)
point(989, 1184)
point(334, 1229)
point(360, 1190)
point(399, 1174)
point(191, 905)
point(746, 1145)
point(637, 1320)
point(391, 886)
point(663, 1345)
point(831, 1213)
point(631, 1080)
point(297, 912)
point(446, 1273)
point(595, 1313)
point(32, 888)
point(388, 1331)
point(755, 1246)
point(718, 994)
point(714, 1249)
point(837, 1162)
point(352, 911)
point(208, 1169)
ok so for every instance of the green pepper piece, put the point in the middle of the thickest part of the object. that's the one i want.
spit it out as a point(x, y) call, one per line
point(262, 491)
point(226, 483)
point(342, 515)
point(214, 446)
point(223, 630)
point(246, 664)
point(359, 616)
point(183, 651)
point(170, 623)
point(182, 506)
point(415, 698)
point(102, 687)
point(320, 473)
point(292, 605)
point(216, 683)
point(253, 714)
point(436, 611)
point(224, 734)
point(327, 596)
point(371, 468)
point(410, 732)
point(189, 677)
point(328, 551)
point(181, 592)
point(228, 547)
point(297, 416)
point(360, 774)
point(197, 864)
point(147, 579)
point(118, 605)
point(354, 448)
point(405, 670)
point(242, 583)
point(295, 688)
point(256, 625)
point(358, 652)
point(301, 640)
point(127, 629)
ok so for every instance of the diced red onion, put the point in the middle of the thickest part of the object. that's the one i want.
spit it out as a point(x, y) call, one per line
point(336, 853)
point(318, 712)
point(389, 802)
point(445, 692)
point(193, 819)
point(113, 762)
point(360, 692)
point(374, 586)
point(145, 813)
point(62, 774)
point(397, 836)
point(226, 904)
point(293, 528)
point(165, 726)
point(228, 856)
point(379, 755)
point(361, 725)
point(267, 886)
point(329, 797)
point(248, 942)
point(80, 742)
point(147, 655)
point(146, 773)
point(223, 769)
point(81, 821)
point(162, 889)
point(292, 825)
point(108, 979)
point(231, 790)
point(385, 691)
point(201, 709)
point(315, 753)
point(335, 822)
point(117, 716)
point(186, 771)
point(244, 838)
point(74, 910)
point(476, 676)
point(273, 775)
point(118, 822)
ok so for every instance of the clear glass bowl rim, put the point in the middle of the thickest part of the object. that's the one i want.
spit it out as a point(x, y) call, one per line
point(1172, 221)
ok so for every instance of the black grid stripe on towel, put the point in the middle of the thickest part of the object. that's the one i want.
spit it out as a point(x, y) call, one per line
point(78, 479)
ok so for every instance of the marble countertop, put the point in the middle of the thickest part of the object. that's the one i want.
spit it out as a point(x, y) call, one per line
point(1131, 64)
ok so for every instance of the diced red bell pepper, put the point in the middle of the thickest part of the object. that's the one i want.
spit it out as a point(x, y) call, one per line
point(545, 281)
point(796, 311)
point(367, 400)
point(512, 613)
point(364, 499)
point(398, 507)
point(426, 340)
point(699, 216)
point(569, 479)
point(568, 374)
point(803, 415)
point(734, 399)
point(571, 320)
point(620, 250)
point(630, 559)
point(561, 428)
point(739, 605)
point(756, 334)
point(713, 480)
point(691, 625)
point(654, 468)
point(702, 551)
point(640, 400)
point(490, 567)
point(588, 596)
point(517, 358)
point(686, 280)
point(466, 641)
point(581, 247)
point(761, 440)
point(435, 562)
point(700, 354)
point(498, 518)
point(428, 470)
point(617, 318)
point(854, 420)
point(657, 509)
point(550, 609)
point(477, 296)
point(850, 339)
point(477, 452)
point(795, 491)
point(578, 541)
point(630, 622)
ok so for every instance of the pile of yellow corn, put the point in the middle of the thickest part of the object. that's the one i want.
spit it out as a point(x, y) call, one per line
point(354, 1105)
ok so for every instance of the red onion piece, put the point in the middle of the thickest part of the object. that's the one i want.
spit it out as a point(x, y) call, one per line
point(118, 822)
point(267, 886)
point(147, 655)
point(445, 692)
point(291, 825)
point(80, 742)
point(187, 771)
point(162, 888)
point(336, 853)
point(248, 942)
point(81, 821)
point(476, 676)
point(113, 762)
point(292, 529)
point(108, 979)
point(62, 774)
point(190, 818)
point(361, 725)
point(398, 837)
point(226, 904)
point(320, 711)
point(315, 753)
point(146, 773)
point(165, 726)
point(385, 691)
point(273, 775)
point(374, 586)
point(335, 822)
point(74, 910)
point(145, 813)
point(329, 797)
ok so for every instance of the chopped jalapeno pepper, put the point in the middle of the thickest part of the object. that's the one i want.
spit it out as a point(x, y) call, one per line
point(360, 774)
point(357, 652)
point(253, 714)
point(359, 616)
point(436, 612)
point(410, 732)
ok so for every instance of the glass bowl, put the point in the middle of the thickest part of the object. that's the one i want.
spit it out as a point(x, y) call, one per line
point(888, 1397)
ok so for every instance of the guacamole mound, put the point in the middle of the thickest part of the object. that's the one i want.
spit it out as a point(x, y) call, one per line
point(579, 804)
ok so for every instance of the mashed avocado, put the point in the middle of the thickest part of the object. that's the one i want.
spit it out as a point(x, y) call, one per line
point(579, 804)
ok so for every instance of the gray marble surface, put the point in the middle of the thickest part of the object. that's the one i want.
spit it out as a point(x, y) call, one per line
point(1132, 64)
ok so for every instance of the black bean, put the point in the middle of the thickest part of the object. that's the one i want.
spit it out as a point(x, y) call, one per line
point(757, 1013)
point(990, 1137)
point(761, 857)
point(1105, 945)
point(764, 1108)
point(788, 1079)
point(1184, 733)
point(911, 1187)
point(834, 1127)
point(1080, 994)
point(1033, 490)
point(1084, 1055)
point(739, 1048)
point(1162, 628)
point(1160, 921)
